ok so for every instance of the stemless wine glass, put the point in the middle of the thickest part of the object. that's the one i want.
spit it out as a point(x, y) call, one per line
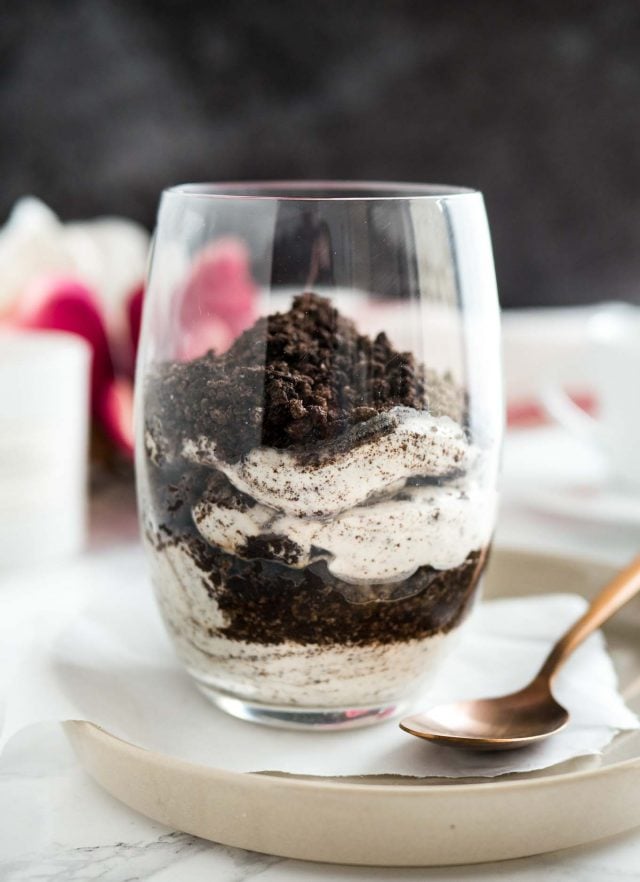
point(319, 417)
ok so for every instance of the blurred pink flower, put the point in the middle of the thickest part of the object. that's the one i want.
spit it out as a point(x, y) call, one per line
point(81, 278)
point(65, 304)
point(134, 318)
point(220, 298)
point(116, 413)
point(201, 336)
point(84, 278)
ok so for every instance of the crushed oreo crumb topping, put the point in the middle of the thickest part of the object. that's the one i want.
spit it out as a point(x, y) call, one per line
point(293, 380)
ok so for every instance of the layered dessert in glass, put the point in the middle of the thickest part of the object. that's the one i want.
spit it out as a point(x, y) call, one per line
point(316, 514)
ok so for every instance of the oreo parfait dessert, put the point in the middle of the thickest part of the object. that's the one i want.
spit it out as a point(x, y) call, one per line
point(316, 514)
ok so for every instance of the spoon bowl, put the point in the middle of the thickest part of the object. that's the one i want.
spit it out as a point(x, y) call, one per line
point(504, 723)
point(531, 714)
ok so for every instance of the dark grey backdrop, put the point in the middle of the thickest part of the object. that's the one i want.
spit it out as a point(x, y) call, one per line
point(104, 103)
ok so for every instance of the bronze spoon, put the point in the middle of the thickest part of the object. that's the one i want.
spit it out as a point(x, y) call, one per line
point(532, 714)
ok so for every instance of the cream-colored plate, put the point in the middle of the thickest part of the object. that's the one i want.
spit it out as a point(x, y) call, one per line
point(388, 821)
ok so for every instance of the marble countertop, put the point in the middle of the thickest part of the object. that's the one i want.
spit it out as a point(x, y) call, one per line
point(58, 825)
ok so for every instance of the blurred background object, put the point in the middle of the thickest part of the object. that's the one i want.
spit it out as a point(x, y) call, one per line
point(83, 278)
point(44, 396)
point(105, 103)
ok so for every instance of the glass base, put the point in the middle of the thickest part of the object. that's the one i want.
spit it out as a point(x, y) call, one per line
point(317, 718)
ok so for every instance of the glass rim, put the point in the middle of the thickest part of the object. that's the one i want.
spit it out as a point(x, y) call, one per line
point(319, 191)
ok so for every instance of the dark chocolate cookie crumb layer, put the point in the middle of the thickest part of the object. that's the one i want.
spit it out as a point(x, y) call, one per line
point(270, 603)
point(293, 380)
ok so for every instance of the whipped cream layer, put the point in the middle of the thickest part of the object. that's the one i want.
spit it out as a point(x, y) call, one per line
point(391, 447)
point(379, 541)
point(289, 673)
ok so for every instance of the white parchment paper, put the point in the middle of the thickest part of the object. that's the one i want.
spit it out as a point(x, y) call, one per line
point(85, 642)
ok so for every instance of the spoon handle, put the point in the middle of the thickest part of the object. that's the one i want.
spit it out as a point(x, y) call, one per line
point(612, 598)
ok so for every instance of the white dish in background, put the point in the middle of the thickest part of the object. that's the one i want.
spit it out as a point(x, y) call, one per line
point(544, 345)
point(44, 417)
point(391, 821)
point(587, 502)
point(548, 470)
point(611, 370)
